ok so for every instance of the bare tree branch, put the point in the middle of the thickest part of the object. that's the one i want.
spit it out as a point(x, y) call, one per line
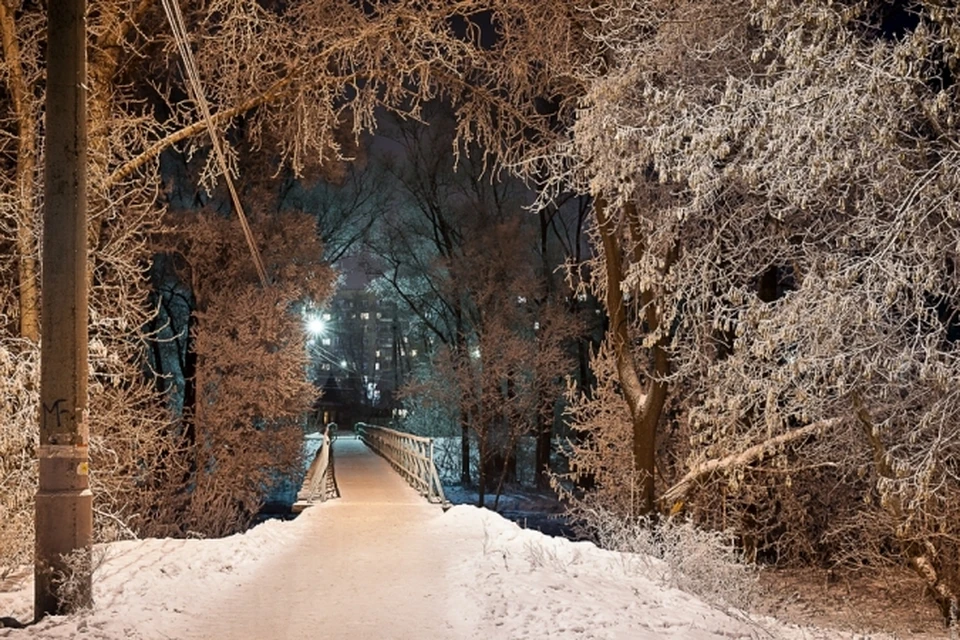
point(684, 485)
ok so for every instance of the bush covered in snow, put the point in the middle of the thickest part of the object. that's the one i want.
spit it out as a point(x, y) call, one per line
point(706, 563)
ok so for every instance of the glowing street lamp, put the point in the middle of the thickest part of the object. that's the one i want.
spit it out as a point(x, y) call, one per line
point(316, 326)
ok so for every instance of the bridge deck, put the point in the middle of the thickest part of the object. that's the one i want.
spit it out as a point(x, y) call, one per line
point(350, 576)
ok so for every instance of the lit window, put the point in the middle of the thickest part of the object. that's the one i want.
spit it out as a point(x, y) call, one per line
point(413, 353)
point(378, 353)
point(521, 300)
point(379, 315)
point(326, 316)
point(376, 367)
point(326, 342)
point(325, 366)
point(536, 326)
point(364, 316)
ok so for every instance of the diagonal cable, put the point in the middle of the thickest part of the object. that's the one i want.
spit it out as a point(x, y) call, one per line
point(175, 18)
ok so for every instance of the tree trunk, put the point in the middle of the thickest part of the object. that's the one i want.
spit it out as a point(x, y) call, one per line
point(506, 455)
point(583, 480)
point(545, 420)
point(645, 408)
point(921, 554)
point(481, 468)
point(544, 446)
point(25, 113)
point(460, 352)
point(190, 369)
point(102, 70)
point(510, 466)
point(464, 451)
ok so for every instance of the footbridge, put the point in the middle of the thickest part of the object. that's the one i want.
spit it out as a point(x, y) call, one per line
point(353, 458)
point(366, 539)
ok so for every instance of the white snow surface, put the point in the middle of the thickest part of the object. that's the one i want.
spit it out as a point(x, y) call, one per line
point(382, 563)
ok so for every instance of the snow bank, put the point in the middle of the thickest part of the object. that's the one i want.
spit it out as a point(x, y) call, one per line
point(513, 583)
point(536, 586)
point(142, 587)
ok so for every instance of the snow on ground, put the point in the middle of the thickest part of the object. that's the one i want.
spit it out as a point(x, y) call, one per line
point(535, 586)
point(382, 563)
point(518, 583)
point(141, 587)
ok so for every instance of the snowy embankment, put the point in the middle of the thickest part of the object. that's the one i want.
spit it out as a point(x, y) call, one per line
point(501, 582)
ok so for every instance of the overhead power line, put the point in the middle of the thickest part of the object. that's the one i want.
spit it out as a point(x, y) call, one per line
point(177, 25)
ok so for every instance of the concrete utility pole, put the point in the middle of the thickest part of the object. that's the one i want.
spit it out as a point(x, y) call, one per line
point(64, 507)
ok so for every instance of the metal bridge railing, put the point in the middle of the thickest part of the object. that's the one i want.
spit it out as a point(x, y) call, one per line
point(320, 481)
point(410, 455)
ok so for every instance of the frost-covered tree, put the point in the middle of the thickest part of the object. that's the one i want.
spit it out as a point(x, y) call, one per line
point(246, 389)
point(507, 379)
point(282, 76)
point(457, 251)
point(776, 191)
point(126, 422)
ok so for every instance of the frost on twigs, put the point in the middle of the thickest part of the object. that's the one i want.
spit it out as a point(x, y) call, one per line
point(284, 80)
point(806, 168)
point(705, 563)
point(19, 397)
point(505, 384)
point(241, 421)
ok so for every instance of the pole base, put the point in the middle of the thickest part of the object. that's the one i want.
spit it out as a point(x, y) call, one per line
point(64, 534)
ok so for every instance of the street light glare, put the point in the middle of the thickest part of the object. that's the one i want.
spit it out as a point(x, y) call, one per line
point(316, 326)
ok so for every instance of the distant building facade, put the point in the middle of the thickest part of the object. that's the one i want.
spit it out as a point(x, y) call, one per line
point(364, 353)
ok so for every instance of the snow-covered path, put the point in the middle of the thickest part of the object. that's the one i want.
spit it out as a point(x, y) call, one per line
point(373, 561)
point(383, 563)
